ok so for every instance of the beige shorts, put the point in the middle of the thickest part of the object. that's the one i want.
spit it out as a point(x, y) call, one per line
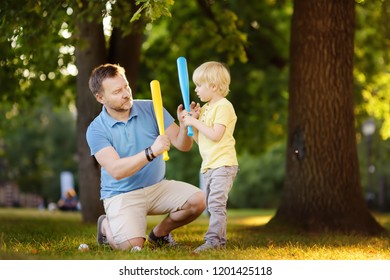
point(126, 213)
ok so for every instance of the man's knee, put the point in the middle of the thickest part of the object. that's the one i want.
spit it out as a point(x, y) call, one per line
point(127, 245)
point(198, 202)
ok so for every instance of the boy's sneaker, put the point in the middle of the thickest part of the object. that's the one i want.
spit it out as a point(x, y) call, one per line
point(166, 240)
point(205, 247)
point(101, 239)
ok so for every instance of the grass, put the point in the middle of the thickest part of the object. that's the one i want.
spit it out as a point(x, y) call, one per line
point(33, 234)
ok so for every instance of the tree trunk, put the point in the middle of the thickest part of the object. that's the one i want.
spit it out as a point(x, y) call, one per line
point(126, 43)
point(90, 52)
point(322, 190)
point(126, 51)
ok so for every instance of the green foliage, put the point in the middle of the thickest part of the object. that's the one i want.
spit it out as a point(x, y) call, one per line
point(32, 54)
point(37, 131)
point(38, 143)
point(153, 9)
point(372, 63)
point(184, 166)
point(260, 180)
point(258, 60)
point(372, 80)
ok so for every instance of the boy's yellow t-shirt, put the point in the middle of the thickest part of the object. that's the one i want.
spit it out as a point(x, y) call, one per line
point(221, 153)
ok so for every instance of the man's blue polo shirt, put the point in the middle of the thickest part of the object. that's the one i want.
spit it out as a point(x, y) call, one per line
point(139, 132)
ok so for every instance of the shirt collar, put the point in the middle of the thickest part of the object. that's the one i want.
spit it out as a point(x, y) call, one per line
point(111, 121)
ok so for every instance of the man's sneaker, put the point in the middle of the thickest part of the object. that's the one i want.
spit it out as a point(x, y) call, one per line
point(166, 240)
point(101, 239)
point(205, 247)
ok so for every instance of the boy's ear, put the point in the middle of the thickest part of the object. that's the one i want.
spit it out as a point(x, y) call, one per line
point(214, 87)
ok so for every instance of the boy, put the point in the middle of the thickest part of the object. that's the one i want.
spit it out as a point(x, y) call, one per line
point(213, 131)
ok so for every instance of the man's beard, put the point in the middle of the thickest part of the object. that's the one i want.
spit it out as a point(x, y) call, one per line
point(121, 110)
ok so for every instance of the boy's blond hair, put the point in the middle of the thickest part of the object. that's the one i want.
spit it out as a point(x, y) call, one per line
point(213, 73)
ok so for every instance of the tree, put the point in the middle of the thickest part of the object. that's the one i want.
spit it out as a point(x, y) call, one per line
point(322, 189)
point(123, 48)
point(90, 52)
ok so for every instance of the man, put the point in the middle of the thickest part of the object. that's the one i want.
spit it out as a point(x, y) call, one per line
point(125, 141)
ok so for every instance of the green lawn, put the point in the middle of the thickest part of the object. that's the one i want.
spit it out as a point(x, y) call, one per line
point(34, 234)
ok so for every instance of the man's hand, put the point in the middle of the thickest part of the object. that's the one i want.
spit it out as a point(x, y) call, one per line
point(161, 144)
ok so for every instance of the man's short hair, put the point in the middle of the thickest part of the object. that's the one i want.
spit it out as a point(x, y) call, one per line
point(102, 72)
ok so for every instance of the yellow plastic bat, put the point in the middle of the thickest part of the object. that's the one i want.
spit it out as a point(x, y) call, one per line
point(158, 110)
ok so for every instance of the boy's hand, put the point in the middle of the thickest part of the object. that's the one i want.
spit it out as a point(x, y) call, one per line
point(195, 109)
point(188, 120)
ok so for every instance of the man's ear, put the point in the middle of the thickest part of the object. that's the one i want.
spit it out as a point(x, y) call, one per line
point(99, 98)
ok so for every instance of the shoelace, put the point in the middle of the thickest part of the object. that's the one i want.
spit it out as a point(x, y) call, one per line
point(169, 239)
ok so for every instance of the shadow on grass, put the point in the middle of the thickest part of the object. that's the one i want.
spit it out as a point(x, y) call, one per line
point(287, 243)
